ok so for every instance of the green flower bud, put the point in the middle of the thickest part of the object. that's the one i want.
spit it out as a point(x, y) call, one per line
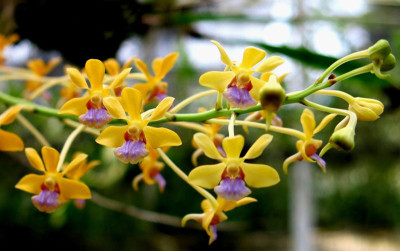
point(366, 109)
point(343, 139)
point(380, 50)
point(272, 95)
point(388, 63)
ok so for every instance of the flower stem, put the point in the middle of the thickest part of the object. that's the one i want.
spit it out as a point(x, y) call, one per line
point(187, 101)
point(183, 176)
point(193, 126)
point(353, 117)
point(32, 130)
point(353, 56)
point(343, 95)
point(231, 125)
point(46, 86)
point(67, 145)
point(283, 130)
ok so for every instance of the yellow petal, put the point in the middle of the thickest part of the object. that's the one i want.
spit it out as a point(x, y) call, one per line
point(143, 68)
point(251, 57)
point(217, 80)
point(224, 57)
point(207, 176)
point(295, 157)
point(50, 158)
point(95, 70)
point(257, 85)
point(31, 183)
point(128, 63)
point(167, 64)
point(162, 108)
point(324, 122)
point(258, 175)
point(270, 64)
point(9, 115)
point(73, 189)
point(77, 78)
point(37, 66)
point(308, 123)
point(10, 142)
point(120, 78)
point(205, 143)
point(34, 159)
point(114, 107)
point(196, 217)
point(78, 159)
point(133, 102)
point(258, 147)
point(160, 137)
point(75, 106)
point(156, 65)
point(52, 64)
point(112, 136)
point(244, 201)
point(144, 88)
point(112, 66)
point(233, 146)
point(205, 223)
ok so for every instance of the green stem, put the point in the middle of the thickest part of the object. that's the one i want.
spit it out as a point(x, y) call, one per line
point(35, 108)
point(67, 145)
point(353, 56)
point(184, 177)
point(298, 96)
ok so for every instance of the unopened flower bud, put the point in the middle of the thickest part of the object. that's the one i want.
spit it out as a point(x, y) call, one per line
point(388, 63)
point(380, 50)
point(366, 109)
point(272, 95)
point(343, 139)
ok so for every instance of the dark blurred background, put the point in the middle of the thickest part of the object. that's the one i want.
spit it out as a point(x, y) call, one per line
point(354, 206)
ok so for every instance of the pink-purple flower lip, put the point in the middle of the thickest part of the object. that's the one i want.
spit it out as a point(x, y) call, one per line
point(95, 117)
point(46, 201)
point(131, 151)
point(232, 189)
point(239, 97)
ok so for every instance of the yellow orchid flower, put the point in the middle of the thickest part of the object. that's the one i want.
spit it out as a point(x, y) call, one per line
point(233, 172)
point(155, 88)
point(52, 188)
point(307, 146)
point(131, 139)
point(40, 69)
point(151, 169)
point(10, 141)
point(6, 41)
point(114, 68)
point(98, 108)
point(211, 217)
point(238, 85)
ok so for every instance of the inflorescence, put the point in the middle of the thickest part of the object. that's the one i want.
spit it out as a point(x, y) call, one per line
point(100, 94)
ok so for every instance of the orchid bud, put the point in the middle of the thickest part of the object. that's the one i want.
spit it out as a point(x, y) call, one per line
point(380, 50)
point(366, 109)
point(272, 95)
point(388, 63)
point(343, 139)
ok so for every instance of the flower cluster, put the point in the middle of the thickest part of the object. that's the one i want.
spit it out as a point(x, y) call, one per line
point(125, 109)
